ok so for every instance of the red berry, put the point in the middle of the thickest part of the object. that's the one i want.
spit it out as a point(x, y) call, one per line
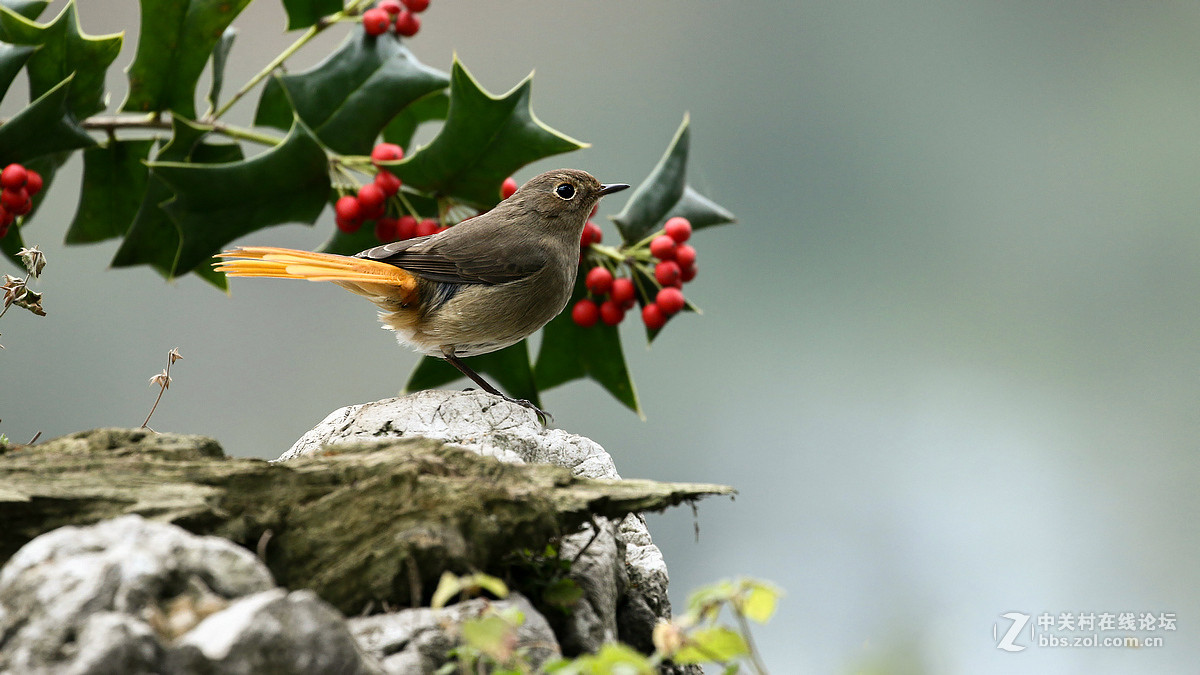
point(372, 201)
point(653, 316)
point(667, 273)
point(427, 227)
point(622, 292)
point(347, 208)
point(585, 313)
point(25, 207)
point(685, 255)
point(595, 208)
point(388, 182)
point(3, 230)
point(508, 188)
point(417, 5)
point(678, 228)
point(390, 6)
point(592, 234)
point(406, 227)
point(13, 176)
point(687, 274)
point(385, 229)
point(670, 299)
point(347, 226)
point(33, 182)
point(376, 21)
point(6, 217)
point(13, 200)
point(599, 280)
point(611, 313)
point(662, 247)
point(407, 24)
point(386, 152)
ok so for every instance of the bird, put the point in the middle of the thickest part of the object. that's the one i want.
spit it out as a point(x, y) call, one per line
point(484, 284)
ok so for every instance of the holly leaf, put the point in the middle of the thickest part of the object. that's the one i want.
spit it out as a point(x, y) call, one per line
point(64, 51)
point(45, 126)
point(348, 98)
point(665, 194)
point(217, 203)
point(30, 9)
point(174, 43)
point(485, 139)
point(114, 180)
point(220, 54)
point(509, 368)
point(11, 243)
point(304, 13)
point(570, 351)
point(12, 60)
point(404, 125)
point(153, 238)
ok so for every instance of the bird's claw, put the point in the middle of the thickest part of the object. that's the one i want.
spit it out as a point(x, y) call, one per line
point(544, 417)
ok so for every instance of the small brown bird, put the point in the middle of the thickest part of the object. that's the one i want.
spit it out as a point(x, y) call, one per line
point(477, 287)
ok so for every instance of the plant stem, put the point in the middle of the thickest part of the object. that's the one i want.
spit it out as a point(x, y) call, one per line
point(111, 123)
point(755, 659)
point(324, 22)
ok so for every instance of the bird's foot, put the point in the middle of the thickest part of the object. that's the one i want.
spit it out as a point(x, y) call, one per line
point(544, 417)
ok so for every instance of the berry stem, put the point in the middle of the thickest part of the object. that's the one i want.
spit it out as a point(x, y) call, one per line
point(407, 204)
point(350, 10)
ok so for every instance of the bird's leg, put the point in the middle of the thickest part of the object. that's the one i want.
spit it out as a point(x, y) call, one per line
point(543, 416)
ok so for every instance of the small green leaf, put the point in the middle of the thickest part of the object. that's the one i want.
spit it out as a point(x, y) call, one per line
point(570, 351)
point(12, 60)
point(484, 140)
point(219, 55)
point(114, 181)
point(509, 368)
point(487, 582)
point(174, 43)
point(153, 238)
point(665, 194)
point(716, 644)
point(489, 634)
point(448, 586)
point(758, 600)
point(64, 51)
point(217, 203)
point(304, 13)
point(44, 127)
point(703, 600)
point(562, 593)
point(348, 98)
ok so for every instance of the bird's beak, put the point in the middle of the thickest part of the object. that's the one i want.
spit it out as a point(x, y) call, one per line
point(611, 188)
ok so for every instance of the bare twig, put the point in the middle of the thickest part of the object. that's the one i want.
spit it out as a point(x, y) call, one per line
point(163, 380)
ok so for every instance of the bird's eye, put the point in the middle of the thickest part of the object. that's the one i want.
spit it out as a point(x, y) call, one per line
point(565, 191)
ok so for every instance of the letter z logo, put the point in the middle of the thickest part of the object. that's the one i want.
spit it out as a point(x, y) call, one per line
point(1008, 642)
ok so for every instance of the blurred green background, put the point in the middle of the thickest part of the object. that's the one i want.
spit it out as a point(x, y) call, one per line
point(949, 355)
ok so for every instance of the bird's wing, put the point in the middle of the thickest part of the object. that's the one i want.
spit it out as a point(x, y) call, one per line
point(463, 259)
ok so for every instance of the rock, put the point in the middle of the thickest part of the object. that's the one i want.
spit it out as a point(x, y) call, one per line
point(419, 640)
point(129, 595)
point(271, 632)
point(622, 599)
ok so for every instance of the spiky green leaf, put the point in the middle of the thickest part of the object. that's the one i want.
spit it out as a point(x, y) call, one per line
point(114, 181)
point(220, 54)
point(485, 139)
point(63, 51)
point(304, 13)
point(44, 127)
point(174, 43)
point(404, 125)
point(570, 352)
point(153, 238)
point(348, 98)
point(217, 203)
point(665, 194)
point(12, 60)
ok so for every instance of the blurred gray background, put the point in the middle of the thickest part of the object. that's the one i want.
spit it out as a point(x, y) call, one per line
point(949, 354)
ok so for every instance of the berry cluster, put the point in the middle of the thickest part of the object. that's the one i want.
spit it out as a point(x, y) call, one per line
point(371, 203)
point(612, 296)
point(19, 186)
point(388, 13)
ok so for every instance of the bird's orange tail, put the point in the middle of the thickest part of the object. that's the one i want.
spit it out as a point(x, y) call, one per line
point(366, 277)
